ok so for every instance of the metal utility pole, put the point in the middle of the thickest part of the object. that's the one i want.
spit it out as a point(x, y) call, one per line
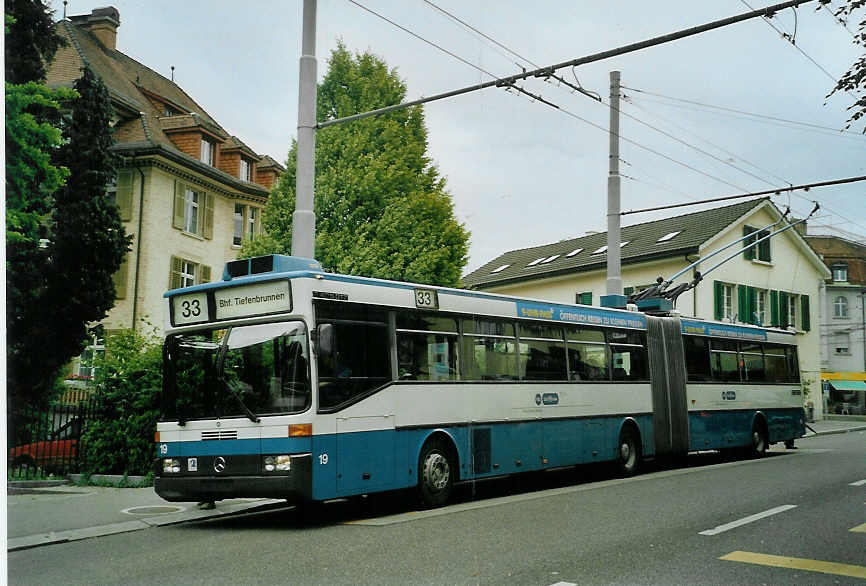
point(304, 218)
point(614, 254)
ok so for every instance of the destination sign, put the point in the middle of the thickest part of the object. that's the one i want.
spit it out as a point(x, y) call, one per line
point(252, 300)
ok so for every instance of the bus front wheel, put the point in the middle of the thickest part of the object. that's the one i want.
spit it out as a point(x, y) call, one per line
point(435, 474)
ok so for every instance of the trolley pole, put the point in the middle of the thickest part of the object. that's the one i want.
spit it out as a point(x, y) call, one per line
point(614, 254)
point(304, 217)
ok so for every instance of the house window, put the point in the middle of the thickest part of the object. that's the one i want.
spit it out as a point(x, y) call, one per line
point(761, 307)
point(841, 343)
point(207, 152)
point(252, 222)
point(583, 298)
point(94, 350)
point(246, 170)
point(840, 272)
point(840, 307)
point(191, 211)
point(792, 311)
point(239, 225)
point(761, 251)
point(186, 273)
point(727, 301)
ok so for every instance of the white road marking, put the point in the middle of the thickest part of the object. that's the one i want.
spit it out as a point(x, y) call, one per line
point(858, 483)
point(746, 520)
point(564, 584)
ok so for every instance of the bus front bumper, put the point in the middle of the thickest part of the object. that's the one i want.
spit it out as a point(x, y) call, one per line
point(293, 486)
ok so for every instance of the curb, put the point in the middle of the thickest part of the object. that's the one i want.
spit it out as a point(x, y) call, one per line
point(837, 431)
point(112, 479)
point(54, 537)
point(36, 483)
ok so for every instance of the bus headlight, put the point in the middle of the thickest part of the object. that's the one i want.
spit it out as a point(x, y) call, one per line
point(170, 466)
point(281, 463)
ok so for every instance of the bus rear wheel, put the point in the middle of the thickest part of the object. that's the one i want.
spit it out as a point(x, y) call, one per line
point(628, 451)
point(436, 472)
point(758, 446)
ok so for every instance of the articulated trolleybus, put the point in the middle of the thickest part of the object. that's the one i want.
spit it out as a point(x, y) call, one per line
point(285, 381)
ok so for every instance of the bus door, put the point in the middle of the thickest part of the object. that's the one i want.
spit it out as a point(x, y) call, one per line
point(366, 449)
point(668, 374)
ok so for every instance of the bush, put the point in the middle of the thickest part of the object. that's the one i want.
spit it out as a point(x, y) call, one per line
point(128, 381)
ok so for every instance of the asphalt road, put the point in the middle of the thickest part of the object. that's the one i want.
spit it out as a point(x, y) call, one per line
point(794, 517)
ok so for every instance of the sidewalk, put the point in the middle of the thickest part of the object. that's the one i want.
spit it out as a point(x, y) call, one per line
point(55, 514)
point(43, 514)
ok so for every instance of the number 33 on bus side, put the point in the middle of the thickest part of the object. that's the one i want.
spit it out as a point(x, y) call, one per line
point(426, 298)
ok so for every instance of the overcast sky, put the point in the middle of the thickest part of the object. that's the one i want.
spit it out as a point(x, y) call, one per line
point(522, 173)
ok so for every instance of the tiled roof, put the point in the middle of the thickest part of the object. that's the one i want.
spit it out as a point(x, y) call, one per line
point(132, 86)
point(685, 234)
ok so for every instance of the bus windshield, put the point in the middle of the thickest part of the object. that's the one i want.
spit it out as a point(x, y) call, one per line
point(237, 372)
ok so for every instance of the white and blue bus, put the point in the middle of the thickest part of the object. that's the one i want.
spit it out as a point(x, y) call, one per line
point(286, 381)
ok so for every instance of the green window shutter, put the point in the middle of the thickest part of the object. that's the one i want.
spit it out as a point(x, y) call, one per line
point(584, 298)
point(174, 274)
point(784, 319)
point(748, 243)
point(753, 305)
point(774, 308)
point(177, 221)
point(205, 274)
point(718, 301)
point(742, 309)
point(804, 306)
point(628, 291)
point(207, 231)
point(764, 248)
point(119, 279)
point(124, 195)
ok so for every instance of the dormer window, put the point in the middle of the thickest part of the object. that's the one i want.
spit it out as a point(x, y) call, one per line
point(246, 171)
point(207, 152)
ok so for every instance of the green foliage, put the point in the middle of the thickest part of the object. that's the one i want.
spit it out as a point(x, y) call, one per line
point(382, 209)
point(57, 192)
point(30, 40)
point(128, 383)
point(854, 80)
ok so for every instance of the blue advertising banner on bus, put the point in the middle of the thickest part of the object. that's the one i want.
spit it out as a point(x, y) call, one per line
point(580, 315)
point(722, 330)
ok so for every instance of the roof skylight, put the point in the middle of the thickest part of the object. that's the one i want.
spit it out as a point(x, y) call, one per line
point(550, 259)
point(535, 262)
point(573, 252)
point(499, 269)
point(668, 236)
point(600, 250)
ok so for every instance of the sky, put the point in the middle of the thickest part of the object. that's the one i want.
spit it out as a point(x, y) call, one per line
point(522, 173)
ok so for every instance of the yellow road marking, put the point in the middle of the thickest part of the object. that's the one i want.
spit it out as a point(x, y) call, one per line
point(859, 528)
point(796, 564)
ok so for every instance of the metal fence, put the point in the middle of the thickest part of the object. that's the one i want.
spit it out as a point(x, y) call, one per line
point(45, 442)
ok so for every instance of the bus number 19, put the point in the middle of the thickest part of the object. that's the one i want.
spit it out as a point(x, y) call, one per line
point(323, 459)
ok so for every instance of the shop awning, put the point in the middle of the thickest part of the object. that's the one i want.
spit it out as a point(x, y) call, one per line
point(848, 385)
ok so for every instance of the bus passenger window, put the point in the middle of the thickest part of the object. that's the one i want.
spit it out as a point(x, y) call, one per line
point(588, 357)
point(775, 364)
point(697, 351)
point(427, 357)
point(724, 360)
point(628, 356)
point(753, 361)
point(489, 356)
point(358, 364)
point(542, 353)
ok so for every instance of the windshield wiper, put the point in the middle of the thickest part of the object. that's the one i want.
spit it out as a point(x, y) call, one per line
point(227, 385)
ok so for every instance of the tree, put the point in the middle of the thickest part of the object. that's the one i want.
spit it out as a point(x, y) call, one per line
point(30, 40)
point(854, 80)
point(65, 282)
point(382, 209)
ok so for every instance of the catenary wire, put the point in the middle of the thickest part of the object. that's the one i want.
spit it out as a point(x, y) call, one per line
point(548, 103)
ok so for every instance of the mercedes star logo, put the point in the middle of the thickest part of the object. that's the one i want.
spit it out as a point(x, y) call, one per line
point(219, 464)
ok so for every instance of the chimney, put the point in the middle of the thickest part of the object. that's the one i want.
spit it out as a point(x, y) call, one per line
point(102, 23)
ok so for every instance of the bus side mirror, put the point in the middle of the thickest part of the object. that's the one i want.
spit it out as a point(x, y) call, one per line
point(325, 339)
